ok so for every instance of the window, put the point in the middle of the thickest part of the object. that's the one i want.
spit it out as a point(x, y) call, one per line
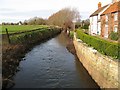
point(106, 26)
point(115, 16)
point(106, 31)
point(115, 28)
point(106, 18)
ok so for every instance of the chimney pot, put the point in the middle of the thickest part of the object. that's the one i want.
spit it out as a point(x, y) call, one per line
point(99, 5)
point(113, 1)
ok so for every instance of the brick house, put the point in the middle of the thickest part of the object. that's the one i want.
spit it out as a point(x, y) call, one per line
point(95, 21)
point(109, 19)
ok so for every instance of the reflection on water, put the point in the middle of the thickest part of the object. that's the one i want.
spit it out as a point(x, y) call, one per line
point(51, 65)
point(62, 39)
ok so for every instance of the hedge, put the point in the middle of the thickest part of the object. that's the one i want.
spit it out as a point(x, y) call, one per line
point(34, 36)
point(103, 46)
point(114, 36)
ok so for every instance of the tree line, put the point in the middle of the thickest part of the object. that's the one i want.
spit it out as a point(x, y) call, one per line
point(68, 18)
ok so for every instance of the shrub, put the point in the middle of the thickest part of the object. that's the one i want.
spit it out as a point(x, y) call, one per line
point(34, 36)
point(85, 27)
point(103, 46)
point(71, 34)
point(113, 36)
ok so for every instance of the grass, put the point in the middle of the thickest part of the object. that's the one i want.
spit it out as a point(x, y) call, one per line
point(19, 28)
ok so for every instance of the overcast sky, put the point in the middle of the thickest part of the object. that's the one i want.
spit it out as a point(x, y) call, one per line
point(19, 10)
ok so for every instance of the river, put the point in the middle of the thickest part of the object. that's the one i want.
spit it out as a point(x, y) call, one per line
point(51, 65)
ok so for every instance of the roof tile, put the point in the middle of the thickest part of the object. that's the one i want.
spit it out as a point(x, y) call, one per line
point(113, 8)
point(98, 11)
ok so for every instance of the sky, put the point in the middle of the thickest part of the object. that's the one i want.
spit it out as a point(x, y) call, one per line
point(20, 10)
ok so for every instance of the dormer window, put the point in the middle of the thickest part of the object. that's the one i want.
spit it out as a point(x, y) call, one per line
point(115, 16)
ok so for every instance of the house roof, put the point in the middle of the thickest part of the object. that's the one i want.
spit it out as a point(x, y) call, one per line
point(98, 11)
point(112, 8)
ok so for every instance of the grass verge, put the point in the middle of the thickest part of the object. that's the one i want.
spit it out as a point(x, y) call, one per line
point(19, 28)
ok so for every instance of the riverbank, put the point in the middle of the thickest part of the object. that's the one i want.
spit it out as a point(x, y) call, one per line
point(51, 65)
point(103, 69)
point(21, 44)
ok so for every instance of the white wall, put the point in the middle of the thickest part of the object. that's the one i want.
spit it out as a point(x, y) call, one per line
point(93, 25)
point(99, 28)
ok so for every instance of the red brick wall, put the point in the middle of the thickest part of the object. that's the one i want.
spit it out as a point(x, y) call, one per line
point(119, 26)
point(110, 23)
point(102, 25)
point(119, 19)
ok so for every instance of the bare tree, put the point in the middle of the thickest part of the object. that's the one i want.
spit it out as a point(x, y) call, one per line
point(64, 18)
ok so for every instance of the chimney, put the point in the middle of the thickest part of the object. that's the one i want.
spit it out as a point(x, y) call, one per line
point(113, 1)
point(99, 5)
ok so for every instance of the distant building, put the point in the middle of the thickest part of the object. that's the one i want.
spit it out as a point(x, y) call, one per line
point(19, 23)
point(95, 21)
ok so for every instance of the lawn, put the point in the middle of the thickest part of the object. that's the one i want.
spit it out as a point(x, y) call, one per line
point(19, 28)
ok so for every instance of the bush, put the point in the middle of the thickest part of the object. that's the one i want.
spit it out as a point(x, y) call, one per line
point(85, 27)
point(103, 46)
point(113, 36)
point(71, 34)
point(34, 36)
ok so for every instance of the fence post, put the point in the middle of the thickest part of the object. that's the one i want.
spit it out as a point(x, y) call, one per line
point(7, 36)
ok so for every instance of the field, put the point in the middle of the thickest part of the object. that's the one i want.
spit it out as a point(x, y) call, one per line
point(19, 28)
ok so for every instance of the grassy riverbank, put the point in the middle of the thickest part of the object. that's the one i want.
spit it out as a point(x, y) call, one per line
point(20, 28)
point(22, 43)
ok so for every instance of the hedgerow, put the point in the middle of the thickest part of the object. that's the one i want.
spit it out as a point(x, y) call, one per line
point(114, 36)
point(103, 46)
point(34, 36)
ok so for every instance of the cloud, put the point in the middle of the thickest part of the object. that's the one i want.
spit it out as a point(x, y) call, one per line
point(85, 15)
point(22, 15)
point(28, 13)
point(6, 9)
point(44, 8)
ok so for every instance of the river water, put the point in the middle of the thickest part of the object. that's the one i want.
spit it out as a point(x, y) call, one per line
point(51, 65)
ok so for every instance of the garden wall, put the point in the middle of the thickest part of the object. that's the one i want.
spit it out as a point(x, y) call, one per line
point(103, 69)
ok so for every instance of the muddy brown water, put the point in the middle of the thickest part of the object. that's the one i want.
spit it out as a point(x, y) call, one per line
point(51, 65)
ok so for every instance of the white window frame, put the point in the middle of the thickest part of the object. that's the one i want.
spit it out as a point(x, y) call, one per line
point(115, 28)
point(106, 18)
point(116, 16)
point(106, 31)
